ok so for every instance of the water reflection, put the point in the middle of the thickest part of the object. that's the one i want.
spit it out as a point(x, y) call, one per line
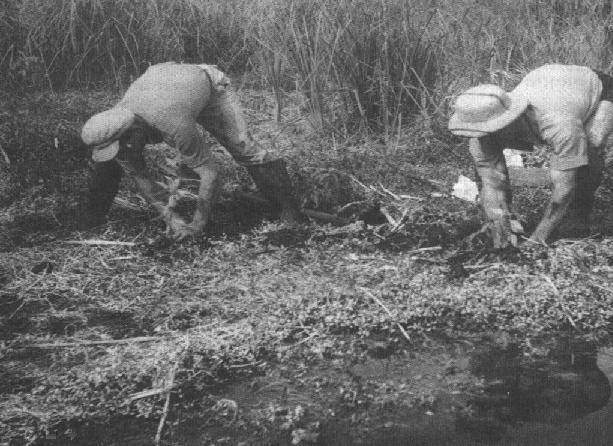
point(560, 386)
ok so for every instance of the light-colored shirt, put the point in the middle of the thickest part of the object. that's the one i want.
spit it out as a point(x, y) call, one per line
point(169, 97)
point(563, 98)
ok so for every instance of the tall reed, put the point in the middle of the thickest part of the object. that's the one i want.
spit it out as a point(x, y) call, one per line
point(361, 64)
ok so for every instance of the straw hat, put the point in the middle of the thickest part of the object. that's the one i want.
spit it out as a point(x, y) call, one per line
point(485, 109)
point(103, 130)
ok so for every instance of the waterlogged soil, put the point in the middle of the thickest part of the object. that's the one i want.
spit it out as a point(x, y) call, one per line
point(272, 388)
point(474, 392)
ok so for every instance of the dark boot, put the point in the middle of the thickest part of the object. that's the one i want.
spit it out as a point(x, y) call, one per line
point(103, 186)
point(275, 185)
point(577, 221)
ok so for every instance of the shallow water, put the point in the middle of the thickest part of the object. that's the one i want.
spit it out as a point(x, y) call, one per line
point(485, 393)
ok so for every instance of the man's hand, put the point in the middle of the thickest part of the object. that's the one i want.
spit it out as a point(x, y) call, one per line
point(564, 183)
point(504, 229)
point(178, 229)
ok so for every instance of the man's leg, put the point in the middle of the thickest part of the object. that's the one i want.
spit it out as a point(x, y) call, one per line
point(589, 177)
point(224, 120)
point(103, 186)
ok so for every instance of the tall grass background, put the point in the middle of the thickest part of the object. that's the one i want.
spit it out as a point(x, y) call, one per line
point(370, 65)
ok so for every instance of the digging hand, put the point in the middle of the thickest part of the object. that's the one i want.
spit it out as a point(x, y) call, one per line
point(505, 231)
point(177, 228)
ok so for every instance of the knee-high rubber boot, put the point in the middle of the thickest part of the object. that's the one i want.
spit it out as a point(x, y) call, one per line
point(103, 186)
point(274, 183)
point(588, 179)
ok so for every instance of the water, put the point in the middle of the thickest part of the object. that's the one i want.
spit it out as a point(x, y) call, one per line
point(563, 400)
point(483, 393)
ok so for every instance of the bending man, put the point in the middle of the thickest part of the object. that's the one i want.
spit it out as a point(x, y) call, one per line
point(568, 107)
point(165, 104)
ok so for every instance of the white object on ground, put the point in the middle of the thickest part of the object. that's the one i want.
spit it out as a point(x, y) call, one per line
point(513, 157)
point(465, 189)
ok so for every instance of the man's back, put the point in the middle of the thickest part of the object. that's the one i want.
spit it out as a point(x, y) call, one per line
point(564, 91)
point(180, 88)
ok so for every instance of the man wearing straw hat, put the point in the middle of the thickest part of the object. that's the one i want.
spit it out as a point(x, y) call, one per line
point(165, 104)
point(568, 107)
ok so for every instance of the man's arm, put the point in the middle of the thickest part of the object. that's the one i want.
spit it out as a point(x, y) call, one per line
point(564, 184)
point(495, 190)
point(133, 161)
point(155, 194)
point(158, 197)
point(207, 192)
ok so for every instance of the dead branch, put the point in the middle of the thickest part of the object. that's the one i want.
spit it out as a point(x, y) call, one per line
point(101, 342)
point(171, 381)
point(99, 242)
point(316, 215)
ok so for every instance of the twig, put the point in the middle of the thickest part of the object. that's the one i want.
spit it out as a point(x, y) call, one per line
point(377, 191)
point(427, 260)
point(391, 220)
point(410, 197)
point(359, 182)
point(398, 224)
point(101, 342)
point(300, 342)
point(147, 394)
point(436, 184)
point(5, 156)
point(98, 242)
point(535, 242)
point(425, 249)
point(387, 310)
point(481, 266)
point(317, 215)
point(324, 216)
point(171, 381)
point(351, 205)
point(123, 203)
point(243, 366)
point(392, 194)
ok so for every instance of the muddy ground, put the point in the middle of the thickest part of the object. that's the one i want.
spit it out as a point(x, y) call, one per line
point(259, 334)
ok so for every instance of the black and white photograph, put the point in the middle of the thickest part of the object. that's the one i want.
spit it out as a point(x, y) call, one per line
point(306, 222)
